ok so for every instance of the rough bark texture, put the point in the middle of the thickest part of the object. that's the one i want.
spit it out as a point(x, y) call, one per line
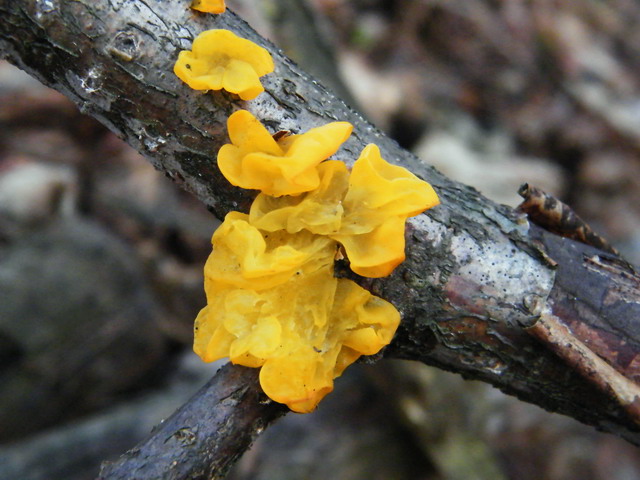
point(176, 450)
point(475, 273)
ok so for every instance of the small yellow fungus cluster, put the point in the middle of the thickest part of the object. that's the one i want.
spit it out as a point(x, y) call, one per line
point(219, 59)
point(209, 6)
point(273, 302)
point(254, 160)
point(364, 211)
point(272, 299)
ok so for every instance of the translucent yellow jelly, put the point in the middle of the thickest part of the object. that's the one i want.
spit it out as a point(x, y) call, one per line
point(219, 59)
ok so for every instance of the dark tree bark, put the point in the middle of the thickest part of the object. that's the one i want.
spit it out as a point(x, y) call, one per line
point(478, 279)
point(229, 411)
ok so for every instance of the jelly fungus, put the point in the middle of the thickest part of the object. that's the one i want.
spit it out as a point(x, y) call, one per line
point(288, 166)
point(272, 298)
point(273, 302)
point(219, 59)
point(209, 6)
point(365, 211)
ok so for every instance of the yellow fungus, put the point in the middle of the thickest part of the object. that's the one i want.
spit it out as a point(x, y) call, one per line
point(219, 59)
point(380, 198)
point(244, 257)
point(365, 212)
point(273, 302)
point(382, 189)
point(318, 211)
point(376, 253)
point(208, 6)
point(254, 160)
point(272, 299)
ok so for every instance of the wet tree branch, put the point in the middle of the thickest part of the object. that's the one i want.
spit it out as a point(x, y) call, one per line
point(205, 436)
point(477, 278)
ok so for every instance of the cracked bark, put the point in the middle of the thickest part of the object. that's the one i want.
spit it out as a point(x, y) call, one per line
point(476, 273)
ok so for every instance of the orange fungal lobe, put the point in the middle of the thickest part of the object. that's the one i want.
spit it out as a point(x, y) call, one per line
point(209, 6)
point(219, 59)
point(272, 298)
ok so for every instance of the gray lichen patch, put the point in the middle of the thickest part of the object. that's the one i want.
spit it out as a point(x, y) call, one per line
point(502, 274)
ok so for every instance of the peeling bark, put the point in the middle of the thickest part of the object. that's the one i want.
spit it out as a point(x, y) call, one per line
point(476, 273)
point(549, 329)
point(597, 295)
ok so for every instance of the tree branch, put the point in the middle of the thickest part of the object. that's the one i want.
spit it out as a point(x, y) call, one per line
point(476, 273)
point(204, 437)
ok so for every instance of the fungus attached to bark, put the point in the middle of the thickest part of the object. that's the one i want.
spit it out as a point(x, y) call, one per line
point(208, 6)
point(219, 59)
point(365, 211)
point(272, 298)
point(318, 211)
point(245, 257)
point(380, 198)
point(288, 166)
point(273, 302)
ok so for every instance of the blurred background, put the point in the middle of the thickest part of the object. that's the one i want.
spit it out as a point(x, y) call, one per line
point(101, 256)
